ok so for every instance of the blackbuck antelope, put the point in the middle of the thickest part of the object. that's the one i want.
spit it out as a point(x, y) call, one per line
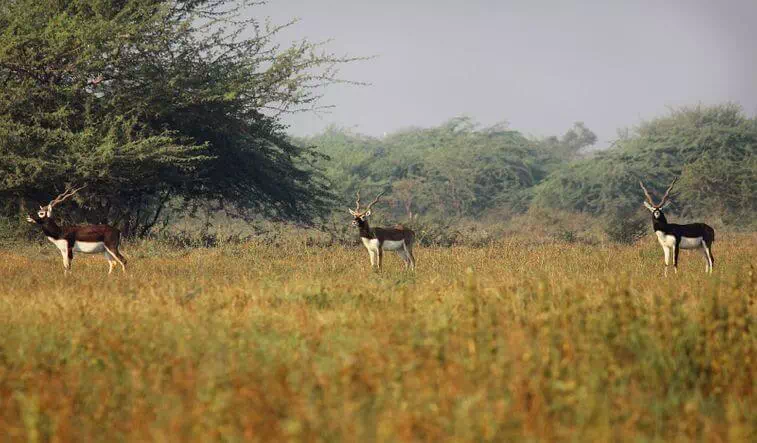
point(674, 237)
point(376, 240)
point(88, 239)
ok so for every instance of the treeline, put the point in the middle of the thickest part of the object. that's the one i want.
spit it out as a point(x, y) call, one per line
point(459, 171)
point(456, 170)
point(712, 148)
point(163, 109)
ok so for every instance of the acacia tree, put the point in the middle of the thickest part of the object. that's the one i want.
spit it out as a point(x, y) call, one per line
point(155, 101)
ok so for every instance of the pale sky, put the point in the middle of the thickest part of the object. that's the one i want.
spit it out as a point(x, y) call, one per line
point(538, 64)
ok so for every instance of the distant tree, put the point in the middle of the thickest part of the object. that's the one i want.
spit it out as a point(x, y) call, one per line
point(406, 192)
point(454, 170)
point(151, 102)
point(578, 137)
point(570, 144)
point(713, 148)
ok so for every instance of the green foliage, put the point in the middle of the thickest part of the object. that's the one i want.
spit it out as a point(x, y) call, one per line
point(570, 145)
point(152, 102)
point(625, 228)
point(438, 178)
point(713, 149)
point(456, 170)
point(723, 187)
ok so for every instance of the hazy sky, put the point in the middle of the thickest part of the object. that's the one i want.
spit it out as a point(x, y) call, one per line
point(538, 64)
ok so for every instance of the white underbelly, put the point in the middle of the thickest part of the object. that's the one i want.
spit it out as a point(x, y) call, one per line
point(393, 245)
point(89, 247)
point(669, 241)
point(691, 243)
point(388, 245)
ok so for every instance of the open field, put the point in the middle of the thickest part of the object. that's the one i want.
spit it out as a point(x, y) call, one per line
point(265, 342)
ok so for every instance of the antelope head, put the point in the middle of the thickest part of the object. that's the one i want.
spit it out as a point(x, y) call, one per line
point(656, 209)
point(361, 216)
point(46, 212)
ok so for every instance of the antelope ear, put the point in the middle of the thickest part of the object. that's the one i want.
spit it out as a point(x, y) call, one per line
point(667, 203)
point(352, 212)
point(648, 206)
point(367, 213)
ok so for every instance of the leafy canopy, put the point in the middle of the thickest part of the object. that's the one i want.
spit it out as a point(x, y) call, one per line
point(712, 148)
point(457, 169)
point(151, 102)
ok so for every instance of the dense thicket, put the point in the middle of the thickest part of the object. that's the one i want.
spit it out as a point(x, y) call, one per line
point(455, 170)
point(459, 171)
point(713, 149)
point(151, 101)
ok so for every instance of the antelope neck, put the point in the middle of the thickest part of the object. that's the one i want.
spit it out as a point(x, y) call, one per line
point(51, 229)
point(659, 224)
point(366, 231)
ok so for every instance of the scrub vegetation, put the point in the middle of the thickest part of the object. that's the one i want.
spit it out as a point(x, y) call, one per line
point(291, 339)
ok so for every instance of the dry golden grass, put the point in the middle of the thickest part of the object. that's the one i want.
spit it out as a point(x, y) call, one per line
point(259, 342)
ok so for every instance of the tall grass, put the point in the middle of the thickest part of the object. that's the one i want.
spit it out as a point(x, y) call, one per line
point(266, 341)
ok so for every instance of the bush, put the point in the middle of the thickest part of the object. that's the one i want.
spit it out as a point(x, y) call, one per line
point(624, 228)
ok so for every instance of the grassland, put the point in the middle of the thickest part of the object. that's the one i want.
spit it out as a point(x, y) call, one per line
point(265, 341)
